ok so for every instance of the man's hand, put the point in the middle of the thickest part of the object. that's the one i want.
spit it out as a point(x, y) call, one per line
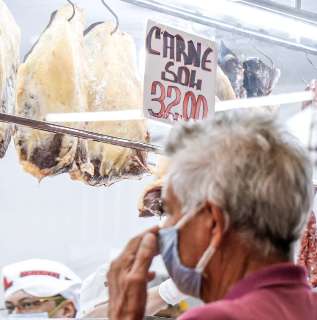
point(128, 277)
point(313, 87)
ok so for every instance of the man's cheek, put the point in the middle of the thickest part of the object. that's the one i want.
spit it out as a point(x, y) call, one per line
point(187, 247)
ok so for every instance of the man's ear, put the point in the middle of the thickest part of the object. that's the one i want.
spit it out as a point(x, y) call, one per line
point(67, 310)
point(218, 224)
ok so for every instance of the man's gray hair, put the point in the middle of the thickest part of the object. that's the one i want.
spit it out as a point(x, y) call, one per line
point(252, 168)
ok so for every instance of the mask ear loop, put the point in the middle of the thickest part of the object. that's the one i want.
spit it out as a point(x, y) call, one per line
point(227, 221)
point(183, 220)
point(202, 263)
point(187, 217)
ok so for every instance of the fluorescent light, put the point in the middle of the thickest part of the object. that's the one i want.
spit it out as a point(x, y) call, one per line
point(141, 62)
point(124, 115)
point(273, 100)
point(137, 114)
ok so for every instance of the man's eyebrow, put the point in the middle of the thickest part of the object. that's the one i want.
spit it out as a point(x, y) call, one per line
point(25, 299)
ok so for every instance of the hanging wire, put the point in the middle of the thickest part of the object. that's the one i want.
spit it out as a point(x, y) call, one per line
point(114, 15)
point(310, 62)
point(306, 83)
point(74, 10)
point(264, 55)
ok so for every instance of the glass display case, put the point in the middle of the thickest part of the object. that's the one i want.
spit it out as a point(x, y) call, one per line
point(85, 226)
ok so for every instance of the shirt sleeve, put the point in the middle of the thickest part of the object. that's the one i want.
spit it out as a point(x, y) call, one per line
point(169, 292)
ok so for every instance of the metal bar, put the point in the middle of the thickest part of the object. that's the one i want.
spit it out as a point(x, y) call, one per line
point(211, 22)
point(290, 12)
point(83, 134)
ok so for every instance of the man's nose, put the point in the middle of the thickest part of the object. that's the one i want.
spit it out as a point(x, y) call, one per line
point(17, 310)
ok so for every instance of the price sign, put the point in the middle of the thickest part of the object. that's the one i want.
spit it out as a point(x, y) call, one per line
point(180, 75)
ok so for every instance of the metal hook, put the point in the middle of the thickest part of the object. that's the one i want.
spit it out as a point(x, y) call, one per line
point(310, 61)
point(74, 10)
point(115, 16)
point(264, 55)
point(306, 83)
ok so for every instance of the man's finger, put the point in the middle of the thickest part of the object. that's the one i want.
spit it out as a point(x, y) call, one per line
point(147, 251)
point(134, 243)
point(151, 275)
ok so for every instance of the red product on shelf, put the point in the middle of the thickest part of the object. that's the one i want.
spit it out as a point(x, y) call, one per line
point(308, 250)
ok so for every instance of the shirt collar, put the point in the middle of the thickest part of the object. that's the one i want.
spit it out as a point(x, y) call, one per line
point(276, 275)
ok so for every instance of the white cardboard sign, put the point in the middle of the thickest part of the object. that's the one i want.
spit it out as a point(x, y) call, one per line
point(180, 75)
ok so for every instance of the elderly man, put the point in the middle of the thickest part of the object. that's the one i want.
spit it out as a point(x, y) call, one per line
point(237, 197)
point(40, 288)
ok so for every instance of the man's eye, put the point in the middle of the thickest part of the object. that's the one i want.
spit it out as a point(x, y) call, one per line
point(10, 309)
point(26, 305)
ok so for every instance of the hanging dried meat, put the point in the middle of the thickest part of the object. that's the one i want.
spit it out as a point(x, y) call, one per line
point(308, 251)
point(308, 247)
point(252, 78)
point(114, 86)
point(224, 90)
point(53, 78)
point(233, 68)
point(9, 61)
point(150, 202)
point(259, 78)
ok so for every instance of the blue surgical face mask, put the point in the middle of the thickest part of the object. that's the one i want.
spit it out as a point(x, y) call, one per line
point(42, 315)
point(188, 280)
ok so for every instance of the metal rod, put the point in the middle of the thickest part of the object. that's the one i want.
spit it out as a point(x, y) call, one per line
point(211, 22)
point(114, 15)
point(298, 4)
point(74, 10)
point(283, 10)
point(83, 134)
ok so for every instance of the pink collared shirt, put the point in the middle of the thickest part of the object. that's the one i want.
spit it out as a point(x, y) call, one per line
point(280, 292)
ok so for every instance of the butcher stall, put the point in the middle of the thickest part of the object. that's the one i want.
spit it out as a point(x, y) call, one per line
point(91, 89)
